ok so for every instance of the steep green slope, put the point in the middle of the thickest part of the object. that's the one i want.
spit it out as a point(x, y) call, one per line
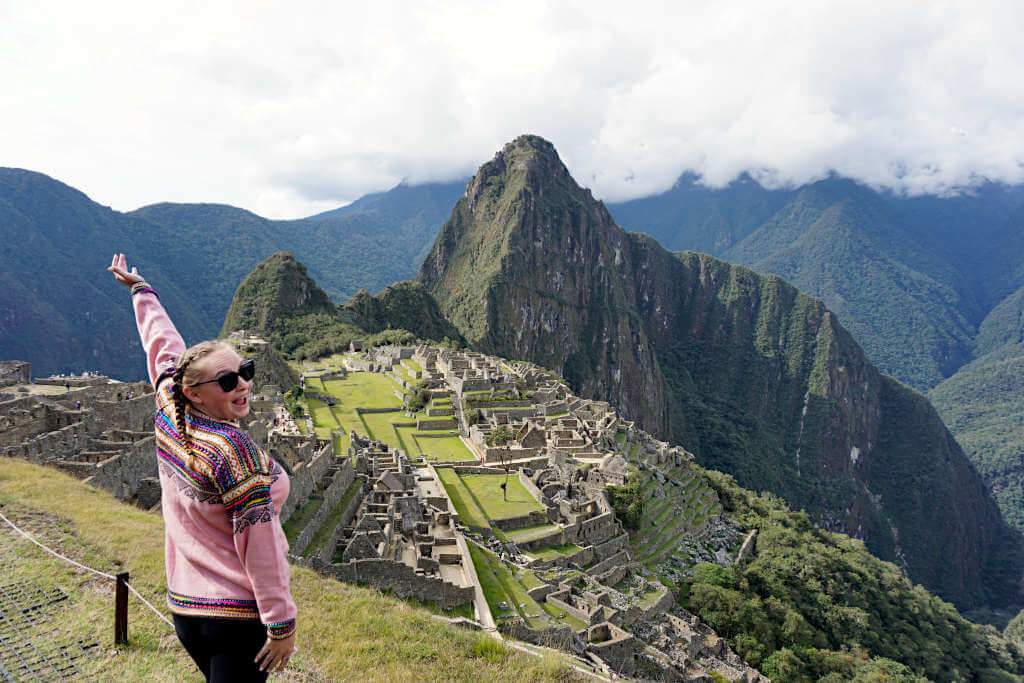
point(59, 308)
point(898, 300)
point(910, 277)
point(280, 300)
point(402, 306)
point(754, 377)
point(983, 405)
point(812, 603)
point(61, 311)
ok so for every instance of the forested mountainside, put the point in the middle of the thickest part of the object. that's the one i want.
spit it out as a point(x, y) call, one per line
point(983, 405)
point(807, 605)
point(281, 302)
point(911, 278)
point(756, 378)
point(930, 287)
point(62, 312)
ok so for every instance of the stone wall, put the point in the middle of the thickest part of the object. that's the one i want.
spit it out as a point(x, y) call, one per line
point(532, 519)
point(603, 551)
point(15, 372)
point(560, 637)
point(134, 415)
point(618, 559)
point(438, 423)
point(327, 552)
point(532, 489)
point(50, 447)
point(398, 578)
point(596, 529)
point(304, 478)
point(331, 495)
point(613, 646)
point(24, 418)
point(122, 475)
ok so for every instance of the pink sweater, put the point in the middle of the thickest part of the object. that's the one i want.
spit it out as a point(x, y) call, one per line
point(221, 500)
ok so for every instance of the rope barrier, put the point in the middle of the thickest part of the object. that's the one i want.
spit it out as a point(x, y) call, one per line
point(89, 569)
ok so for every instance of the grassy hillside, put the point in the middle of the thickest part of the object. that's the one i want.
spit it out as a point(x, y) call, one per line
point(345, 632)
point(194, 255)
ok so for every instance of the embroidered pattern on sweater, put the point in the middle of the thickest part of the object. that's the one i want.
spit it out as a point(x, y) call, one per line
point(279, 630)
point(187, 489)
point(230, 608)
point(220, 461)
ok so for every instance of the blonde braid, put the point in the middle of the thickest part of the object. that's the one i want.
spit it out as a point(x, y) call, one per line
point(185, 373)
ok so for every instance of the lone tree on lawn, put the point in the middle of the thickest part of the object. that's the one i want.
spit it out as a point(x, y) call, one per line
point(499, 437)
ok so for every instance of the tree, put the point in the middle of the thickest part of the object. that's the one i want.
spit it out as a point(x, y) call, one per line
point(499, 437)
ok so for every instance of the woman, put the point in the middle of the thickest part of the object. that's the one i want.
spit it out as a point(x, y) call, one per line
point(227, 570)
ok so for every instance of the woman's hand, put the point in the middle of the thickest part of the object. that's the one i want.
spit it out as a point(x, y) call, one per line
point(119, 267)
point(276, 654)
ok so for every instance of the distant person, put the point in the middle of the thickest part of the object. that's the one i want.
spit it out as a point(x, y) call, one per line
point(119, 396)
point(227, 570)
point(67, 386)
point(78, 405)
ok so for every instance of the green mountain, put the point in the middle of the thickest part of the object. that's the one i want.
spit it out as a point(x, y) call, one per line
point(61, 311)
point(808, 604)
point(756, 378)
point(911, 278)
point(983, 405)
point(403, 306)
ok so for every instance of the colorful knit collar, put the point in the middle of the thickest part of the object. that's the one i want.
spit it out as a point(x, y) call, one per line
point(199, 416)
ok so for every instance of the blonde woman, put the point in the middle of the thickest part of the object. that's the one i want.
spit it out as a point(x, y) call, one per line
point(227, 570)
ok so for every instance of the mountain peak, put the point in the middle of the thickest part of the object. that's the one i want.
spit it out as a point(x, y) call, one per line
point(278, 288)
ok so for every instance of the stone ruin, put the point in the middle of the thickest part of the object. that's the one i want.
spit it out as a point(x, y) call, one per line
point(15, 372)
point(376, 517)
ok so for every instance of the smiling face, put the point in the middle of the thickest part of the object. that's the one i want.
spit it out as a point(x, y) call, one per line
point(210, 398)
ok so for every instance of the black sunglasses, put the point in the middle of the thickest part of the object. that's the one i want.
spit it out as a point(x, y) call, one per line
point(229, 380)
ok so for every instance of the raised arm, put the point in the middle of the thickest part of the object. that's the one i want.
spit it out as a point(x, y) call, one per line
point(160, 339)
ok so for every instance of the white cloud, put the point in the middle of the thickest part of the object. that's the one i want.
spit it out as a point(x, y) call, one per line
point(291, 109)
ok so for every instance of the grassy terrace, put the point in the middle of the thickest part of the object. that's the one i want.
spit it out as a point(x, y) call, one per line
point(444, 448)
point(500, 585)
point(469, 512)
point(323, 419)
point(486, 489)
point(528, 533)
point(346, 632)
point(300, 517)
point(331, 523)
point(554, 551)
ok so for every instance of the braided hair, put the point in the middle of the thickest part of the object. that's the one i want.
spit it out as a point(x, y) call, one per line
point(186, 374)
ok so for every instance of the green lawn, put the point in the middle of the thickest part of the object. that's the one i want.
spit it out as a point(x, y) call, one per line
point(528, 533)
point(323, 418)
point(412, 365)
point(332, 520)
point(364, 389)
point(446, 448)
point(297, 522)
point(486, 488)
point(554, 551)
point(499, 585)
point(463, 501)
point(380, 426)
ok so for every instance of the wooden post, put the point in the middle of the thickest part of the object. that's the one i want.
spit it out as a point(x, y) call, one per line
point(121, 610)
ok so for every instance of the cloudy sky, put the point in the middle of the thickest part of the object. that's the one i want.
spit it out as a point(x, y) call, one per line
point(287, 109)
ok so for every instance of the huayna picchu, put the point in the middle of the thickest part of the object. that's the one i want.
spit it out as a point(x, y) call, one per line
point(757, 379)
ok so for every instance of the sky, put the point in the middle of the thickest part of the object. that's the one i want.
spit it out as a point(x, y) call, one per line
point(289, 109)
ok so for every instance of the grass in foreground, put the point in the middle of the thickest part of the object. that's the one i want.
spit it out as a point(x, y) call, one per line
point(345, 632)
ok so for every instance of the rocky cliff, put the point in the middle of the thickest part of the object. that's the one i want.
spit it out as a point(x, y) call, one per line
point(756, 378)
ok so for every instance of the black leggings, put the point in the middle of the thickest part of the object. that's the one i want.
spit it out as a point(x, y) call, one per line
point(223, 649)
